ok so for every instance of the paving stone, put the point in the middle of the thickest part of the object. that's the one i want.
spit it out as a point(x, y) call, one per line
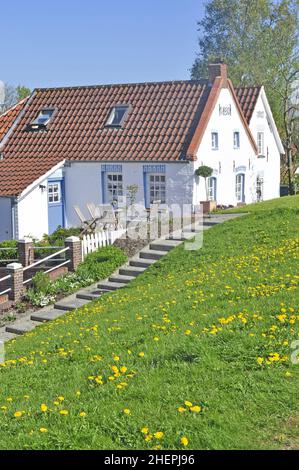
point(152, 254)
point(46, 316)
point(121, 278)
point(21, 326)
point(68, 305)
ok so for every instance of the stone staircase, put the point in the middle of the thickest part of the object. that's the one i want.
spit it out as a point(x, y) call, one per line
point(119, 280)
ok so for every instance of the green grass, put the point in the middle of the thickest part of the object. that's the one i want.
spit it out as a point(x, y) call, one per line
point(287, 202)
point(201, 318)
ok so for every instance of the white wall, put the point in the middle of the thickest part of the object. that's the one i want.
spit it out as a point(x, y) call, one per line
point(83, 184)
point(269, 167)
point(226, 160)
point(33, 212)
point(5, 219)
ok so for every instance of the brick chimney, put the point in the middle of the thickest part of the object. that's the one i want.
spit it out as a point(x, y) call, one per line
point(217, 68)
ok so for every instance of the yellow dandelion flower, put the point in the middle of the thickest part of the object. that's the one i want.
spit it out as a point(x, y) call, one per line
point(159, 435)
point(144, 430)
point(18, 414)
point(82, 414)
point(141, 354)
point(195, 409)
point(123, 369)
point(43, 407)
point(43, 429)
point(184, 441)
point(259, 360)
point(64, 412)
point(126, 411)
point(60, 398)
point(188, 403)
point(181, 409)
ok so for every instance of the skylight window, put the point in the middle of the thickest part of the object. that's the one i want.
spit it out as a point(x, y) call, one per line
point(43, 118)
point(117, 116)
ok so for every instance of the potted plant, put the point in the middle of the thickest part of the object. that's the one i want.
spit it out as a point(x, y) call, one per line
point(206, 172)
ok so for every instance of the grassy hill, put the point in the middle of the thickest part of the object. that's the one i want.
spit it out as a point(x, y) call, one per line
point(212, 328)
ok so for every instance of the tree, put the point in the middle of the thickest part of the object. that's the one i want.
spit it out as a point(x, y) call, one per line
point(258, 39)
point(12, 95)
point(22, 92)
point(205, 172)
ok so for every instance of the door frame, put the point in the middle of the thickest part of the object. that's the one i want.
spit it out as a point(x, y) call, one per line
point(61, 181)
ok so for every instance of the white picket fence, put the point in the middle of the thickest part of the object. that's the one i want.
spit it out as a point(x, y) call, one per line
point(95, 241)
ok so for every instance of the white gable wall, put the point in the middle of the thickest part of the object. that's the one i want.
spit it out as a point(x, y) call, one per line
point(226, 162)
point(269, 167)
point(33, 212)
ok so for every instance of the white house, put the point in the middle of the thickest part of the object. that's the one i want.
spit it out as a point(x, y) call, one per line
point(66, 147)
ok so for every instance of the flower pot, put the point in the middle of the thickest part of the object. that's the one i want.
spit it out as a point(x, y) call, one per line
point(208, 206)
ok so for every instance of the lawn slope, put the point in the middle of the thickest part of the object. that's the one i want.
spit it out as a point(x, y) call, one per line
point(212, 328)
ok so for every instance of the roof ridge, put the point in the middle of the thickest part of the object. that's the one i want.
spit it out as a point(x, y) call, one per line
point(109, 85)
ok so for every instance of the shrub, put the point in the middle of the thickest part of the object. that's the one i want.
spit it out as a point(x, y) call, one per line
point(58, 237)
point(101, 263)
point(8, 254)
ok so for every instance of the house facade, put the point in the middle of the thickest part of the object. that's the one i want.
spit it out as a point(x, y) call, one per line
point(68, 147)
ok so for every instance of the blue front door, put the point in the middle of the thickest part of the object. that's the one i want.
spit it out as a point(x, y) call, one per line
point(55, 204)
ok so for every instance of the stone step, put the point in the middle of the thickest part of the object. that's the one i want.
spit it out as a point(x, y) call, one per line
point(5, 336)
point(131, 271)
point(164, 245)
point(20, 327)
point(68, 305)
point(152, 254)
point(142, 263)
point(121, 278)
point(47, 315)
point(109, 286)
point(90, 294)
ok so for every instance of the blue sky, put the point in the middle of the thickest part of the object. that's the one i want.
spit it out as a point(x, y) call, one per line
point(77, 42)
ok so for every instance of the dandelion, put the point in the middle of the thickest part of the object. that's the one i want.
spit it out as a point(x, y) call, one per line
point(195, 409)
point(188, 403)
point(141, 354)
point(260, 360)
point(18, 414)
point(64, 412)
point(123, 369)
point(144, 430)
point(82, 414)
point(181, 409)
point(43, 430)
point(126, 411)
point(184, 441)
point(60, 398)
point(159, 435)
point(43, 407)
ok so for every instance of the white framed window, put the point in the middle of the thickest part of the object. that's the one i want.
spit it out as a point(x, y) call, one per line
point(261, 143)
point(259, 188)
point(212, 188)
point(114, 187)
point(54, 193)
point(236, 140)
point(240, 186)
point(117, 115)
point(215, 140)
point(157, 188)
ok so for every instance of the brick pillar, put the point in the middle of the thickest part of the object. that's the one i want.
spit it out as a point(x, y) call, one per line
point(74, 254)
point(25, 252)
point(16, 281)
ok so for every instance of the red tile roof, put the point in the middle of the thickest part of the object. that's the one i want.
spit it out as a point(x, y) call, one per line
point(8, 118)
point(247, 97)
point(158, 127)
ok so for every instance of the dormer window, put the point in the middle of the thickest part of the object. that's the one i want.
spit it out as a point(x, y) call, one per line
point(42, 119)
point(117, 115)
